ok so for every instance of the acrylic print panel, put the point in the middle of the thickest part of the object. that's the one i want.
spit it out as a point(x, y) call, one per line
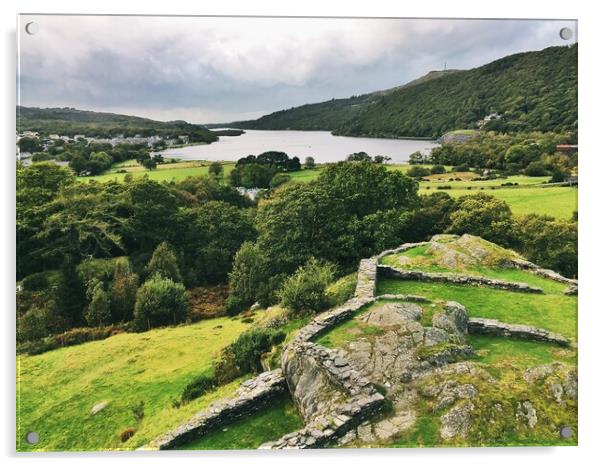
point(241, 233)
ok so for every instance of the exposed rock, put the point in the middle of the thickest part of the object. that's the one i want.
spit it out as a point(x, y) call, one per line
point(559, 380)
point(571, 291)
point(456, 422)
point(525, 411)
point(97, 408)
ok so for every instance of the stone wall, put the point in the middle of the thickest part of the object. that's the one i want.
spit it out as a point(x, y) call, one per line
point(331, 395)
point(253, 395)
point(366, 278)
point(497, 328)
point(392, 272)
point(547, 273)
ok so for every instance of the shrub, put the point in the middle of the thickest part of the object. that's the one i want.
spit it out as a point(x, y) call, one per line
point(127, 434)
point(35, 282)
point(216, 169)
point(244, 354)
point(437, 169)
point(164, 263)
point(305, 290)
point(279, 179)
point(342, 290)
point(417, 171)
point(34, 324)
point(461, 168)
point(160, 301)
point(536, 169)
point(486, 216)
point(123, 291)
point(198, 387)
point(248, 279)
point(98, 311)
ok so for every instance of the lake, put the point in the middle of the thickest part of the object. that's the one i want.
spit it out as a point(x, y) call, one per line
point(321, 145)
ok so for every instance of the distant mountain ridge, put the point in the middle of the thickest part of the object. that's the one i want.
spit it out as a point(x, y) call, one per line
point(530, 90)
point(70, 121)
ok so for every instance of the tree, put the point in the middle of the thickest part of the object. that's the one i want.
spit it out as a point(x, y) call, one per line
point(359, 157)
point(149, 164)
point(98, 312)
point(550, 242)
point(31, 145)
point(160, 301)
point(215, 231)
point(123, 291)
point(486, 216)
point(216, 170)
point(310, 162)
point(536, 169)
point(164, 263)
point(432, 216)
point(70, 294)
point(36, 323)
point(305, 290)
point(249, 278)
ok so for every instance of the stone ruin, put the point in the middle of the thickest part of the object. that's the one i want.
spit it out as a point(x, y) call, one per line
point(365, 392)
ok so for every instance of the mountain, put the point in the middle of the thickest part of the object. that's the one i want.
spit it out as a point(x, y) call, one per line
point(71, 121)
point(327, 115)
point(530, 90)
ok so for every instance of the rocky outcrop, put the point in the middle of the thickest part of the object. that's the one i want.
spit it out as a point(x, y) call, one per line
point(253, 395)
point(496, 328)
point(392, 272)
point(330, 394)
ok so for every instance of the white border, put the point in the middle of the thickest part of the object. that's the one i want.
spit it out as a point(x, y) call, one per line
point(590, 108)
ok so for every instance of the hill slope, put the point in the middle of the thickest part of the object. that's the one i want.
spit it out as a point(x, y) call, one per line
point(328, 115)
point(534, 91)
point(71, 121)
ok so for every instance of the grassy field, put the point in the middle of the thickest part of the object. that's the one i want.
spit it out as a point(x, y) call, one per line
point(163, 172)
point(558, 202)
point(249, 433)
point(555, 312)
point(56, 390)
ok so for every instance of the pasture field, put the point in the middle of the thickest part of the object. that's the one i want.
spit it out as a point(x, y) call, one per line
point(57, 390)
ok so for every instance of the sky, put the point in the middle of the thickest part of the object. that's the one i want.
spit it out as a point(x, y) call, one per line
point(218, 69)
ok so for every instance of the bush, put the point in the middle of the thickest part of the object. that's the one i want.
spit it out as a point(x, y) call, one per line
point(279, 179)
point(342, 290)
point(35, 282)
point(244, 354)
point(437, 169)
point(198, 387)
point(164, 263)
point(160, 301)
point(461, 168)
point(75, 336)
point(34, 324)
point(127, 434)
point(248, 280)
point(305, 290)
point(98, 311)
point(536, 169)
point(417, 171)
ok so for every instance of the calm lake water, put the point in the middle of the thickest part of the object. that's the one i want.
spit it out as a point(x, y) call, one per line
point(321, 145)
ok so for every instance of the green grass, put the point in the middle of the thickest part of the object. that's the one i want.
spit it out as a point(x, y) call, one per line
point(522, 180)
point(504, 353)
point(559, 202)
point(164, 172)
point(555, 312)
point(57, 390)
point(248, 433)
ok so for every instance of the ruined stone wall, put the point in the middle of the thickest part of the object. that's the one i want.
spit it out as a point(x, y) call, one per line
point(392, 272)
point(253, 395)
point(547, 273)
point(331, 395)
point(495, 327)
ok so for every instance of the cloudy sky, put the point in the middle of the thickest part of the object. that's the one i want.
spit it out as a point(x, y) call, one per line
point(223, 69)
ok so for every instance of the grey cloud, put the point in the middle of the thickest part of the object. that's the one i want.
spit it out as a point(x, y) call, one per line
point(220, 69)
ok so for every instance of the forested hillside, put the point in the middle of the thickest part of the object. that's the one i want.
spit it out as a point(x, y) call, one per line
point(531, 91)
point(70, 121)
